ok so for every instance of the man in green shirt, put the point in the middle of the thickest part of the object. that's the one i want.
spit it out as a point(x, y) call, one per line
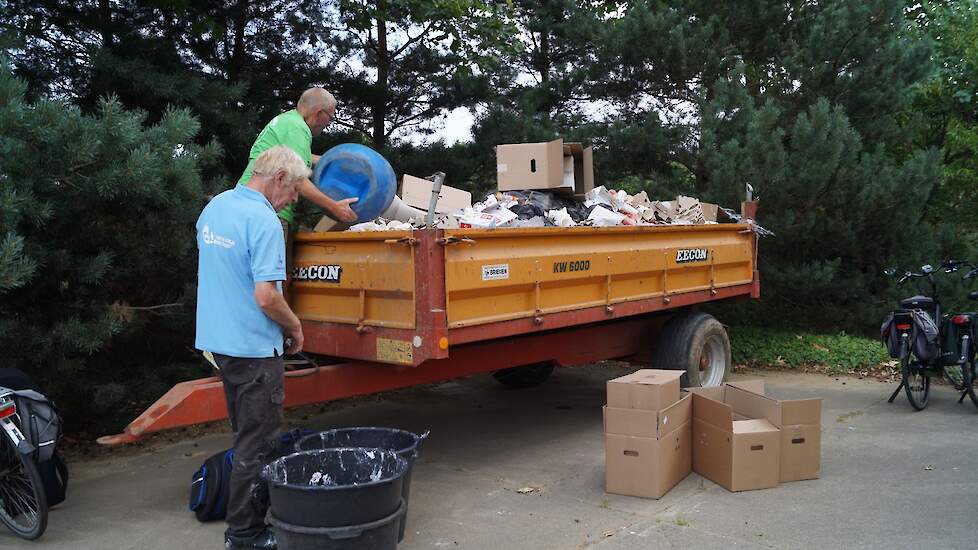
point(295, 129)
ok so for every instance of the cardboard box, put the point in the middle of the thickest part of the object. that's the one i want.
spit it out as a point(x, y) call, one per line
point(710, 211)
point(645, 423)
point(416, 192)
point(648, 389)
point(645, 466)
point(732, 445)
point(582, 165)
point(329, 224)
point(552, 165)
point(530, 166)
point(800, 424)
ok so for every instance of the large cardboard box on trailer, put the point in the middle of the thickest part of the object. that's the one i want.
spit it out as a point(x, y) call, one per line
point(416, 192)
point(552, 165)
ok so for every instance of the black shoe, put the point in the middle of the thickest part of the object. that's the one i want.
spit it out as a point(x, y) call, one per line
point(263, 541)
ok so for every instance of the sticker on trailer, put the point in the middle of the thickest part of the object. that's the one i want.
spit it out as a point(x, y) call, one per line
point(324, 273)
point(394, 351)
point(572, 265)
point(496, 272)
point(687, 255)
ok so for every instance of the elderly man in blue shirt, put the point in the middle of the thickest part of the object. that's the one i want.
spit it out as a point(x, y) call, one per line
point(245, 322)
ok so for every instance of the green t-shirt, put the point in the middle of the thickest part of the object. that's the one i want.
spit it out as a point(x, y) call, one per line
point(286, 129)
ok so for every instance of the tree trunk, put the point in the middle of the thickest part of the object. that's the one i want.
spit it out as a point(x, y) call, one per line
point(383, 65)
point(237, 60)
point(105, 22)
point(544, 61)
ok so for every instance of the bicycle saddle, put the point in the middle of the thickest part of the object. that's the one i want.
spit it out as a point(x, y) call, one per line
point(917, 302)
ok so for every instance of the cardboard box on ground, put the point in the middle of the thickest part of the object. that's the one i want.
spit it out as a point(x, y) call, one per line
point(744, 440)
point(647, 434)
point(799, 422)
point(733, 435)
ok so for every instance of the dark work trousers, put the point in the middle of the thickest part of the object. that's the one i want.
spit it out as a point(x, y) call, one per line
point(254, 389)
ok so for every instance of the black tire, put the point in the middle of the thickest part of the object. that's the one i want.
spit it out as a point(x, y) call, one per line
point(968, 369)
point(23, 503)
point(697, 343)
point(525, 376)
point(954, 374)
point(916, 382)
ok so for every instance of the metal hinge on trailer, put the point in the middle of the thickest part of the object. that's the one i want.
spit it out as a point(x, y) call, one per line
point(455, 240)
point(406, 241)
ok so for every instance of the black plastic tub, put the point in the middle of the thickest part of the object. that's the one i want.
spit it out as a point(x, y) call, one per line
point(375, 535)
point(335, 487)
point(406, 444)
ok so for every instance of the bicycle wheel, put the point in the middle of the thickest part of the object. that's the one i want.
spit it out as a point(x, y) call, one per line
point(916, 382)
point(954, 374)
point(970, 374)
point(23, 504)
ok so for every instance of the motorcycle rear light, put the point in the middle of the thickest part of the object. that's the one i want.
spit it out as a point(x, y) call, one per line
point(7, 411)
point(903, 326)
point(961, 320)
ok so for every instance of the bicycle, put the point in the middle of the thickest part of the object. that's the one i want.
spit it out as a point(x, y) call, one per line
point(965, 331)
point(23, 501)
point(915, 336)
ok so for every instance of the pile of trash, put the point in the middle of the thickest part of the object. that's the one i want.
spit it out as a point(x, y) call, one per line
point(601, 207)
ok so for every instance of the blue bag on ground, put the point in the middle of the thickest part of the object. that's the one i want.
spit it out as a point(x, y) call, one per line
point(210, 486)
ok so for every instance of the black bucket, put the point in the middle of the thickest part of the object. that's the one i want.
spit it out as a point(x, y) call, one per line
point(335, 487)
point(376, 535)
point(406, 444)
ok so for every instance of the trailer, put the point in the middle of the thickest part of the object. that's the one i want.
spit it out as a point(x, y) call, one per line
point(393, 309)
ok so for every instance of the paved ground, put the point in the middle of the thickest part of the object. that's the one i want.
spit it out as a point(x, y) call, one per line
point(890, 477)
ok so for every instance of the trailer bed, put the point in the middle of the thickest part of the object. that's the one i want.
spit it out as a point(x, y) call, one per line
point(406, 297)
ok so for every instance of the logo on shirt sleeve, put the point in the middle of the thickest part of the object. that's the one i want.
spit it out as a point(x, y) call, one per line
point(324, 273)
point(213, 239)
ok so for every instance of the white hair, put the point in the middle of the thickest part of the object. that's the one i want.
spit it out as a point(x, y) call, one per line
point(278, 158)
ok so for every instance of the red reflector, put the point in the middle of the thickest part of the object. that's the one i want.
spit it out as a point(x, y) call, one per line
point(8, 410)
point(961, 320)
point(903, 326)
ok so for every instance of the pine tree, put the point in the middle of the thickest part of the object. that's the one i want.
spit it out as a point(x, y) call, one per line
point(803, 101)
point(96, 239)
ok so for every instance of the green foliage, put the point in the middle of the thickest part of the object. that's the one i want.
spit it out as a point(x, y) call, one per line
point(398, 63)
point(790, 349)
point(803, 101)
point(945, 110)
point(97, 214)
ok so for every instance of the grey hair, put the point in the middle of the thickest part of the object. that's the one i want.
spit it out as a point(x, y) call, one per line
point(278, 158)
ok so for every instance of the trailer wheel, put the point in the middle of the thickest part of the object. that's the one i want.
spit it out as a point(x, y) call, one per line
point(696, 343)
point(525, 376)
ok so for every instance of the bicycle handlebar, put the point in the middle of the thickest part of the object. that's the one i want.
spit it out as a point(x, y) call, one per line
point(949, 266)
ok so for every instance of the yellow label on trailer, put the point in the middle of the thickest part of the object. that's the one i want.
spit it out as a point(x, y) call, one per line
point(394, 351)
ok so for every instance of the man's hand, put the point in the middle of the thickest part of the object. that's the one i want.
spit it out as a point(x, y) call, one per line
point(342, 211)
point(273, 305)
point(338, 210)
point(294, 341)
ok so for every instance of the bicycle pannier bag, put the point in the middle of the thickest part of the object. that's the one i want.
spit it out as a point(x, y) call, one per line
point(925, 345)
point(890, 336)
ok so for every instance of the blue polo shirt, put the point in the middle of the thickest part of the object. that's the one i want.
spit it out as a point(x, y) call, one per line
point(240, 242)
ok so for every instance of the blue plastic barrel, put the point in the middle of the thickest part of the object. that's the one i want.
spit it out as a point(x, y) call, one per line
point(354, 170)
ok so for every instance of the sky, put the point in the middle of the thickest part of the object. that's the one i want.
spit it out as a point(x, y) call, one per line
point(454, 127)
